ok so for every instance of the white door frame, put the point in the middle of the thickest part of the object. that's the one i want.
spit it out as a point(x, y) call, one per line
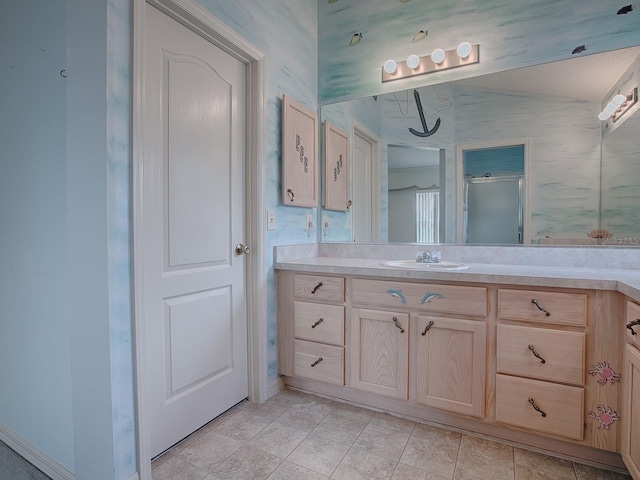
point(376, 175)
point(526, 214)
point(200, 21)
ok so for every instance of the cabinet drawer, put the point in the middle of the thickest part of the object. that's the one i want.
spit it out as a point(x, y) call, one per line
point(319, 362)
point(563, 353)
point(319, 322)
point(424, 297)
point(633, 316)
point(562, 405)
point(562, 308)
point(314, 287)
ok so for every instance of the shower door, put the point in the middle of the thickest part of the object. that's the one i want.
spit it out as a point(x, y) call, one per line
point(493, 210)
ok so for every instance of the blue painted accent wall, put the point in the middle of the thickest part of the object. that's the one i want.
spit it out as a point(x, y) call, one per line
point(494, 161)
point(35, 358)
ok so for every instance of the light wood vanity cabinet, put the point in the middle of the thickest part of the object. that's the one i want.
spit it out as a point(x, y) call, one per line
point(540, 366)
point(541, 371)
point(631, 427)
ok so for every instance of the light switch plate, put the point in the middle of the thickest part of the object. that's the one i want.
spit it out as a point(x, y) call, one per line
point(271, 220)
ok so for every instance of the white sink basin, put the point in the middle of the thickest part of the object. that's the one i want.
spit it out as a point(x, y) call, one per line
point(413, 265)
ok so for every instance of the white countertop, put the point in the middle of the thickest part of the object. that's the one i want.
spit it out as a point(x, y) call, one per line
point(626, 281)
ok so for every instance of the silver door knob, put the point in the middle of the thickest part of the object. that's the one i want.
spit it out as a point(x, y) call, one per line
point(242, 249)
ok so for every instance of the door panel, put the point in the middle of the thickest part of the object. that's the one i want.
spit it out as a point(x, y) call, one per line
point(194, 306)
point(361, 184)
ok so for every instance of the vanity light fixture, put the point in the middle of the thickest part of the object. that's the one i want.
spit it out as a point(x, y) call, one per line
point(619, 105)
point(464, 54)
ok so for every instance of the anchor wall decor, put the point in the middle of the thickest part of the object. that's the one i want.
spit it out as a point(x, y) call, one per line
point(426, 132)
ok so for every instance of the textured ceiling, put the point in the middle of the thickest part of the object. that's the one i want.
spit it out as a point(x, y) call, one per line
point(586, 78)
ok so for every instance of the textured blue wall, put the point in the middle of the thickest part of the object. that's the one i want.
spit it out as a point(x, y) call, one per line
point(511, 34)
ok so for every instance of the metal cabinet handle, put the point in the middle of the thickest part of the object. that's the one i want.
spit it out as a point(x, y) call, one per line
point(395, 320)
point(316, 362)
point(635, 323)
point(291, 195)
point(426, 329)
point(536, 354)
point(540, 307)
point(320, 320)
point(349, 203)
point(315, 289)
point(536, 408)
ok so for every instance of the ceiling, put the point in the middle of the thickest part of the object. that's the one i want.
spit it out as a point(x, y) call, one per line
point(564, 78)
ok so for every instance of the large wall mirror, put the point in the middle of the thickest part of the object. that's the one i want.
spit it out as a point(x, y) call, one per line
point(579, 175)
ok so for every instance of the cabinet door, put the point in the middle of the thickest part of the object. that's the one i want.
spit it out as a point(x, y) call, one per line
point(380, 352)
point(449, 364)
point(631, 424)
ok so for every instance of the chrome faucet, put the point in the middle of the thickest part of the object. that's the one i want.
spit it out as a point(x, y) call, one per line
point(424, 256)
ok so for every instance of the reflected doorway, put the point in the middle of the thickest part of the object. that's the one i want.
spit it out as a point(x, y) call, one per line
point(492, 193)
point(365, 194)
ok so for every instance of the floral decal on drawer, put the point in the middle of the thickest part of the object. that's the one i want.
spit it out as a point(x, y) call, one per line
point(605, 417)
point(607, 374)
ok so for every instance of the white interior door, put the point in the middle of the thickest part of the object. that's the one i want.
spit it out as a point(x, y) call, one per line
point(361, 210)
point(193, 294)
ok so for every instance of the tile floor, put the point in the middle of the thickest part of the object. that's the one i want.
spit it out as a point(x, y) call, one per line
point(296, 436)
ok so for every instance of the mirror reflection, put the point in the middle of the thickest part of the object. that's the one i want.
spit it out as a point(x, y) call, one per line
point(426, 190)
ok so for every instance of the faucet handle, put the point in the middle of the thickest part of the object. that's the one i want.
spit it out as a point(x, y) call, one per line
point(436, 256)
point(421, 256)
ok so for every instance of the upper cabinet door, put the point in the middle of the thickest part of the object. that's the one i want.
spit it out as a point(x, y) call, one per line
point(299, 155)
point(336, 168)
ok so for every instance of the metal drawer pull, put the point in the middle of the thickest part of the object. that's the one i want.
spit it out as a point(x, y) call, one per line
point(635, 323)
point(320, 320)
point(541, 308)
point(316, 288)
point(290, 192)
point(536, 408)
point(536, 354)
point(316, 362)
point(426, 329)
point(395, 320)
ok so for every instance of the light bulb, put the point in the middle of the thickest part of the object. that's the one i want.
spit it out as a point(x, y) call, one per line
point(603, 116)
point(610, 108)
point(619, 99)
point(437, 56)
point(464, 50)
point(413, 61)
point(390, 66)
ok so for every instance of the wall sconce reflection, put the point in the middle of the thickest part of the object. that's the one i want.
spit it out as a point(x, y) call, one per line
point(619, 105)
point(464, 54)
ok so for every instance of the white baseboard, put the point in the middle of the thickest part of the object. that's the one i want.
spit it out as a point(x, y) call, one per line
point(34, 456)
point(275, 387)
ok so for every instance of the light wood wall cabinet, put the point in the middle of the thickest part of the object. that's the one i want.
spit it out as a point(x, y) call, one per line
point(631, 425)
point(541, 367)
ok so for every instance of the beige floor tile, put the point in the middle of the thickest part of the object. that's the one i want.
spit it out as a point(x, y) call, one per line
point(243, 426)
point(382, 441)
point(270, 409)
point(471, 445)
point(209, 451)
point(361, 465)
point(394, 423)
point(407, 472)
point(304, 416)
point(178, 469)
point(544, 463)
point(585, 472)
point(432, 449)
point(290, 471)
point(287, 396)
point(353, 412)
point(248, 463)
point(160, 460)
point(318, 454)
point(524, 472)
point(480, 467)
point(340, 429)
point(278, 439)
